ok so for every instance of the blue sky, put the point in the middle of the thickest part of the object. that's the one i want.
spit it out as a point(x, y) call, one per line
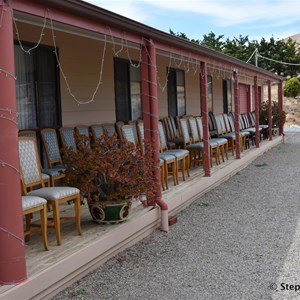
point(253, 18)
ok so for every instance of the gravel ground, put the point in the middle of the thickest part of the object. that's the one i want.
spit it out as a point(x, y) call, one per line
point(239, 241)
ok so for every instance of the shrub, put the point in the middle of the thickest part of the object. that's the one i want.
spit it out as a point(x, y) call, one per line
point(292, 87)
point(278, 117)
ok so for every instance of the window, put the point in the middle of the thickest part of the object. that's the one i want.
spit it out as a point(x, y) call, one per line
point(209, 93)
point(176, 93)
point(37, 88)
point(227, 95)
point(127, 91)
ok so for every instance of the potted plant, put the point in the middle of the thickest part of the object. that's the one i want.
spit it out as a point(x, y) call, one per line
point(278, 116)
point(110, 174)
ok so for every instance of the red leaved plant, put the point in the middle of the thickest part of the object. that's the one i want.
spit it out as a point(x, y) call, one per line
point(110, 170)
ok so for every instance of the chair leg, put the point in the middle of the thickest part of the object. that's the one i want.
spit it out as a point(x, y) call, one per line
point(77, 214)
point(56, 219)
point(43, 217)
point(166, 175)
point(187, 164)
point(27, 227)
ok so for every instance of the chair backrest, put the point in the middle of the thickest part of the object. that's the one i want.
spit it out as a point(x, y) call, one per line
point(228, 126)
point(162, 137)
point(168, 130)
point(194, 130)
point(220, 124)
point(177, 121)
point(28, 133)
point(30, 165)
point(134, 128)
point(172, 124)
point(96, 131)
point(67, 137)
point(246, 120)
point(50, 143)
point(83, 130)
point(252, 118)
point(185, 132)
point(128, 134)
point(200, 127)
point(119, 124)
point(211, 122)
point(140, 130)
point(242, 124)
point(231, 121)
point(109, 128)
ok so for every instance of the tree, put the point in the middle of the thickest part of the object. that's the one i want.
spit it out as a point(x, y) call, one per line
point(274, 55)
point(213, 42)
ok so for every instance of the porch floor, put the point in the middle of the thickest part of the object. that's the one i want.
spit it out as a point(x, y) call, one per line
point(50, 271)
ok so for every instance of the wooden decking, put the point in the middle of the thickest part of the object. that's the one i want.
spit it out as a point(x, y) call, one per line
point(50, 271)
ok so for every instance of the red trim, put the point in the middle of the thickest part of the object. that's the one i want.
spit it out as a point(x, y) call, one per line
point(12, 253)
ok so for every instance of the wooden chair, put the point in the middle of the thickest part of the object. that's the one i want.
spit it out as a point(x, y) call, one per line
point(32, 134)
point(162, 162)
point(222, 143)
point(229, 124)
point(181, 155)
point(196, 138)
point(55, 166)
point(109, 128)
point(96, 131)
point(128, 133)
point(134, 129)
point(119, 124)
point(83, 130)
point(67, 136)
point(31, 177)
point(30, 205)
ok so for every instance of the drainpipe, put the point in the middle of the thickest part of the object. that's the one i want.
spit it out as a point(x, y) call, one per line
point(154, 130)
point(204, 108)
point(257, 135)
point(270, 110)
point(12, 250)
point(236, 115)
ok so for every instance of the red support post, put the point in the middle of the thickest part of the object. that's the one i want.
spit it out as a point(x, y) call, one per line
point(145, 94)
point(236, 115)
point(280, 103)
point(12, 250)
point(257, 135)
point(204, 107)
point(153, 104)
point(270, 110)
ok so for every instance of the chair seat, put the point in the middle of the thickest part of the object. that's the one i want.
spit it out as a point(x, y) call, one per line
point(219, 141)
point(54, 193)
point(178, 141)
point(251, 130)
point(31, 202)
point(245, 133)
point(263, 126)
point(54, 172)
point(60, 167)
point(166, 157)
point(178, 152)
point(171, 144)
point(195, 146)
